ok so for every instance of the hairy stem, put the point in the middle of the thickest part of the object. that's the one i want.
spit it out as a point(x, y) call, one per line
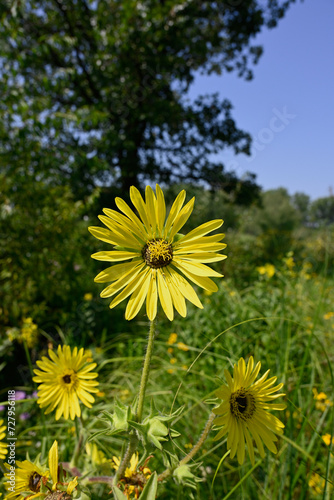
point(145, 372)
point(142, 389)
point(194, 449)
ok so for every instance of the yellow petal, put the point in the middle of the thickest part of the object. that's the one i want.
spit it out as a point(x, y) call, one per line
point(124, 207)
point(182, 218)
point(125, 222)
point(177, 297)
point(176, 207)
point(123, 235)
point(130, 288)
point(114, 256)
point(115, 272)
point(138, 202)
point(121, 282)
point(185, 288)
point(195, 268)
point(201, 281)
point(152, 297)
point(150, 208)
point(137, 299)
point(71, 485)
point(164, 295)
point(203, 257)
point(160, 209)
point(53, 464)
point(201, 230)
point(103, 234)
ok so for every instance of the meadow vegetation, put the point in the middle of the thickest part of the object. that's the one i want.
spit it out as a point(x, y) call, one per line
point(276, 303)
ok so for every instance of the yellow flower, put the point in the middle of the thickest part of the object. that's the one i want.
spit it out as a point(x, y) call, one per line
point(173, 361)
point(65, 380)
point(170, 350)
point(267, 269)
point(322, 402)
point(29, 332)
point(329, 315)
point(97, 456)
point(161, 261)
point(28, 477)
point(182, 346)
point(133, 476)
point(327, 438)
point(88, 296)
point(289, 262)
point(3, 446)
point(317, 483)
point(243, 414)
point(172, 339)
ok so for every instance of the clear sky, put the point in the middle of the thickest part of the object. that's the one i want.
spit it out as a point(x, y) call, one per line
point(288, 107)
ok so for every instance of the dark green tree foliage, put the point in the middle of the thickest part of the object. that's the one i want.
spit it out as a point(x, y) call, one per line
point(93, 92)
point(322, 211)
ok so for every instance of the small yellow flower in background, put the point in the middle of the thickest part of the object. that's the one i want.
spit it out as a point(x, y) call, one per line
point(267, 270)
point(289, 262)
point(29, 332)
point(65, 380)
point(233, 293)
point(28, 478)
point(188, 446)
point(161, 261)
point(173, 361)
point(134, 477)
point(327, 439)
point(88, 297)
point(317, 483)
point(329, 315)
point(182, 346)
point(184, 367)
point(170, 371)
point(322, 401)
point(242, 413)
point(100, 394)
point(3, 446)
point(172, 339)
point(89, 355)
point(124, 394)
point(170, 350)
point(97, 456)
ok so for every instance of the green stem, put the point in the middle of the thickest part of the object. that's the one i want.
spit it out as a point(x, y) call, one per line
point(145, 373)
point(141, 396)
point(77, 451)
point(194, 449)
point(126, 458)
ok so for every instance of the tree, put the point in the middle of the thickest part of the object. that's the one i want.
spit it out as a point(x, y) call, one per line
point(322, 211)
point(94, 91)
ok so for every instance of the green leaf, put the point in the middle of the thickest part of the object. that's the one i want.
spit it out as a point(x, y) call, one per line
point(118, 495)
point(150, 490)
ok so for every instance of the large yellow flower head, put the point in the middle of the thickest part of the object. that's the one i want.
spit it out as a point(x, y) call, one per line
point(3, 446)
point(161, 262)
point(243, 411)
point(64, 380)
point(28, 478)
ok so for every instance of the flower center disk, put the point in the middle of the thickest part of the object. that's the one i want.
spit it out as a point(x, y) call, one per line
point(158, 253)
point(242, 404)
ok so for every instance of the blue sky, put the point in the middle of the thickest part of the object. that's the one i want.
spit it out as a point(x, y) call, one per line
point(288, 107)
